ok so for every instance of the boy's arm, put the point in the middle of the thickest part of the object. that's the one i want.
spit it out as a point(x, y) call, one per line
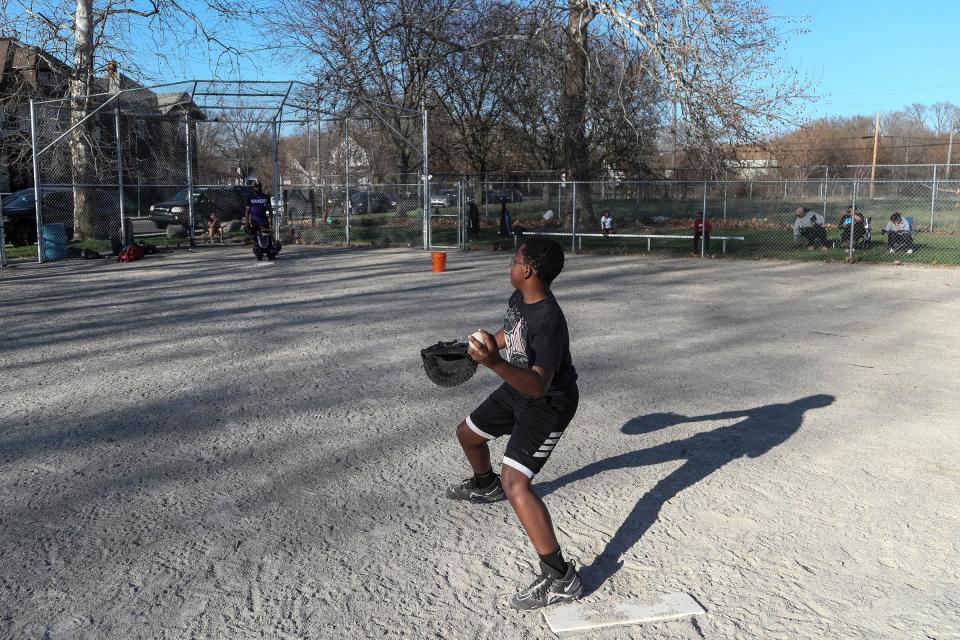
point(532, 382)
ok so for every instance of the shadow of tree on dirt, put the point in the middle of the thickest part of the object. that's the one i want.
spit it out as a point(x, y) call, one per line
point(760, 430)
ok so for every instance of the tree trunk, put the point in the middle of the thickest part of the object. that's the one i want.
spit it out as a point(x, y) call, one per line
point(81, 154)
point(573, 105)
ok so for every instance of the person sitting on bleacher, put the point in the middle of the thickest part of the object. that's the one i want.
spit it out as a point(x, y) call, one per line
point(899, 234)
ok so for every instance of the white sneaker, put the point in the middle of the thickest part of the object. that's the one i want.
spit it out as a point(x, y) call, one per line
point(909, 250)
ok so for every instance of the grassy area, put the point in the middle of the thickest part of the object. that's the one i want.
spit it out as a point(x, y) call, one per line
point(757, 243)
point(946, 215)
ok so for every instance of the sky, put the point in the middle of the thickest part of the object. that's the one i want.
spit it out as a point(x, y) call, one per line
point(863, 57)
point(859, 56)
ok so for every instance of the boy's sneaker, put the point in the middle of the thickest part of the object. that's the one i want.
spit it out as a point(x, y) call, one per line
point(468, 490)
point(549, 588)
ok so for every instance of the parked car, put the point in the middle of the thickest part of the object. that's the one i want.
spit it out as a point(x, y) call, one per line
point(443, 198)
point(20, 214)
point(334, 199)
point(227, 203)
point(506, 193)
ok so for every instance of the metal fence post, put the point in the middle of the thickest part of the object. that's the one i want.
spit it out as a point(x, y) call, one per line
point(277, 194)
point(573, 222)
point(3, 238)
point(346, 174)
point(724, 201)
point(853, 217)
point(933, 196)
point(123, 214)
point(36, 180)
point(186, 122)
point(460, 225)
point(826, 188)
point(703, 223)
point(427, 241)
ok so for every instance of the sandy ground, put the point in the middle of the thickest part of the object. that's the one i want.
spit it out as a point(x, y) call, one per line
point(195, 447)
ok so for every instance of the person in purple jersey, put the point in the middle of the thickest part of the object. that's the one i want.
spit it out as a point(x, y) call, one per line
point(259, 211)
point(259, 218)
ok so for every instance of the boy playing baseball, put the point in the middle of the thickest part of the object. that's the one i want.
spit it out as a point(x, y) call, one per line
point(534, 405)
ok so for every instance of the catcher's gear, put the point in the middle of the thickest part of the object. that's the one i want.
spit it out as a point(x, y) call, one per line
point(447, 363)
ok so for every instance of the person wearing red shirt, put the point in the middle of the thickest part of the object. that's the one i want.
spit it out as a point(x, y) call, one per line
point(698, 231)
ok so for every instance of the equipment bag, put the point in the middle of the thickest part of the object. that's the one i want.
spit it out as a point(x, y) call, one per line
point(130, 253)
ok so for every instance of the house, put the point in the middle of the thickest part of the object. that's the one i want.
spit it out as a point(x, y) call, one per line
point(25, 72)
point(153, 136)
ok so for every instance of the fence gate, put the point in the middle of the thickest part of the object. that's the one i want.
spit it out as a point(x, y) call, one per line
point(445, 217)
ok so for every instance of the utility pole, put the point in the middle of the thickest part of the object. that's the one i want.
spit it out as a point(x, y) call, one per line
point(876, 143)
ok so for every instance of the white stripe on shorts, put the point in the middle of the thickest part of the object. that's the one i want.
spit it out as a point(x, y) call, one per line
point(541, 454)
point(555, 434)
point(551, 441)
point(510, 462)
point(477, 430)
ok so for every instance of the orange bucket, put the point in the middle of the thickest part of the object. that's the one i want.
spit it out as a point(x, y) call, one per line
point(439, 261)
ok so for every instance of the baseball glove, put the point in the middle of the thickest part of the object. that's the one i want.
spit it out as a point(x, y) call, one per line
point(447, 363)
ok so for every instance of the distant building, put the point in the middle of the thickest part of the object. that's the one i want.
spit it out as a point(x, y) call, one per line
point(749, 162)
point(152, 131)
point(25, 72)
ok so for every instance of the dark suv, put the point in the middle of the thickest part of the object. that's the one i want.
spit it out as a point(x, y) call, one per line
point(503, 194)
point(363, 201)
point(226, 203)
point(20, 214)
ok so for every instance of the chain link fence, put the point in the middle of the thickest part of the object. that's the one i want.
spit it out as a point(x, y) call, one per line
point(355, 180)
point(158, 163)
point(175, 164)
point(879, 221)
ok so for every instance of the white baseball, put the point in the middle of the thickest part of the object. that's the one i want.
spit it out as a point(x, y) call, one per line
point(478, 336)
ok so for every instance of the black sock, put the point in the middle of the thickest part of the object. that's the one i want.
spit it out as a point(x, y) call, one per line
point(555, 561)
point(484, 480)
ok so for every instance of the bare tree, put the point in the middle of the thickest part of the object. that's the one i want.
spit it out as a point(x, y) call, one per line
point(90, 35)
point(371, 57)
point(714, 60)
point(944, 117)
point(477, 81)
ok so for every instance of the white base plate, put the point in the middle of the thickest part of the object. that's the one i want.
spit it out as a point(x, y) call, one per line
point(580, 616)
point(265, 263)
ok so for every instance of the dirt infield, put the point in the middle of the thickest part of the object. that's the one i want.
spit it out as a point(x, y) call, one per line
point(195, 447)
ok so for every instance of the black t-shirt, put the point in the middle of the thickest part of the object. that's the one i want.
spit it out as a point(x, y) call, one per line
point(536, 334)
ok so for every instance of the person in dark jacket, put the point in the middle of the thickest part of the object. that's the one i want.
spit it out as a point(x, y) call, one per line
point(473, 220)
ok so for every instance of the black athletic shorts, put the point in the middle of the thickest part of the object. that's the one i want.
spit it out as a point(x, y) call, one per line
point(534, 424)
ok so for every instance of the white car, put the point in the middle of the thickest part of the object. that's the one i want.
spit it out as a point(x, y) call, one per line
point(443, 198)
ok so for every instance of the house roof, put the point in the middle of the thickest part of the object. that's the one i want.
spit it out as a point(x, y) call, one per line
point(179, 101)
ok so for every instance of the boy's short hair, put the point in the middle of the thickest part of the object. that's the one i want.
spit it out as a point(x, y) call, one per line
point(545, 256)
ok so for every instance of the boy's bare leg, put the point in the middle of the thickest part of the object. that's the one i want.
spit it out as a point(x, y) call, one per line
point(475, 448)
point(530, 510)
